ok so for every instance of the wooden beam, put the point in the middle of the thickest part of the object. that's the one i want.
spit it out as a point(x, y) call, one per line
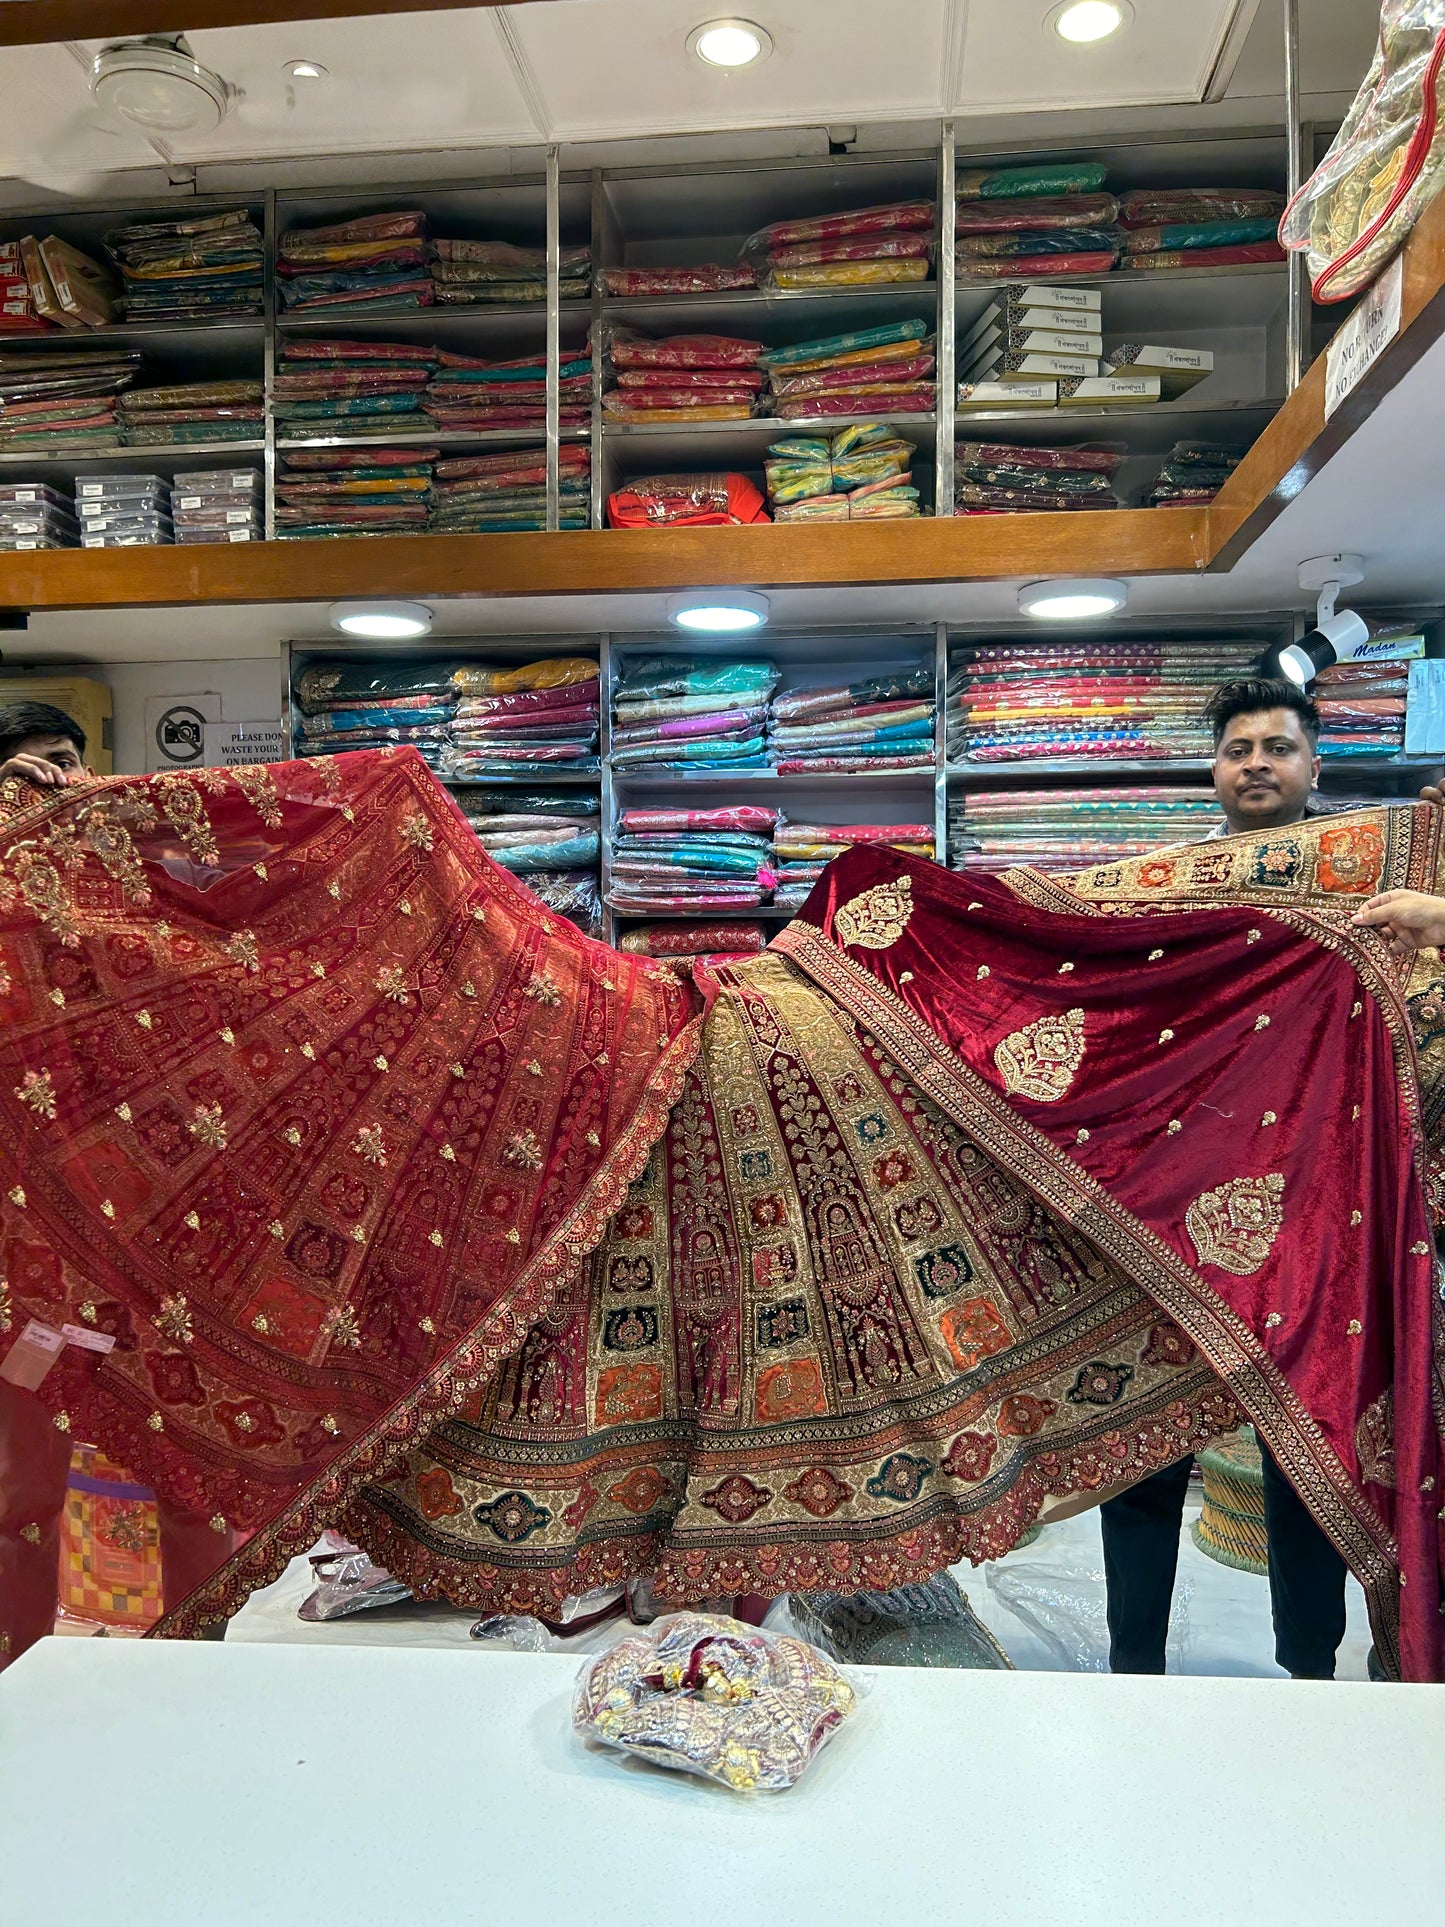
point(1299, 441)
point(617, 561)
point(33, 22)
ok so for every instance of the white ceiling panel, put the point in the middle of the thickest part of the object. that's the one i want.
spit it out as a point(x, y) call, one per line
point(608, 70)
point(1014, 61)
point(49, 132)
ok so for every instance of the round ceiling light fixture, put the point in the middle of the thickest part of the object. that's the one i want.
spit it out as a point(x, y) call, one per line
point(381, 621)
point(1086, 22)
point(305, 70)
point(1074, 598)
point(730, 43)
point(158, 85)
point(718, 612)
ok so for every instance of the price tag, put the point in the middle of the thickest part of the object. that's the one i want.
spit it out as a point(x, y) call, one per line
point(32, 1355)
point(1364, 337)
point(88, 1340)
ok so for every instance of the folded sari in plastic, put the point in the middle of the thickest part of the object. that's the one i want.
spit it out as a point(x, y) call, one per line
point(969, 1192)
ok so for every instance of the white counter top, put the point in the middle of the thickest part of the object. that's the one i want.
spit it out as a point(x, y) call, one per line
point(209, 1785)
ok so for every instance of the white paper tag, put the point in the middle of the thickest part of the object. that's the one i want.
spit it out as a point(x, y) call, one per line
point(1364, 337)
point(30, 1358)
point(88, 1340)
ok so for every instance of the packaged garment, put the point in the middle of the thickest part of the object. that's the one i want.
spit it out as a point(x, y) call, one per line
point(925, 1625)
point(1048, 180)
point(1036, 244)
point(573, 894)
point(195, 269)
point(1200, 234)
point(685, 501)
point(897, 217)
point(631, 350)
point(1036, 262)
point(872, 273)
point(481, 804)
point(1248, 254)
point(1036, 215)
point(650, 281)
point(1070, 829)
point(694, 939)
point(1144, 207)
point(347, 1581)
point(808, 354)
point(1383, 166)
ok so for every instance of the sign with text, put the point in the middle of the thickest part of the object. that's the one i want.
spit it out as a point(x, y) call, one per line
point(259, 741)
point(1364, 337)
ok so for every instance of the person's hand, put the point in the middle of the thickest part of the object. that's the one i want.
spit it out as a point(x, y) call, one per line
point(1411, 919)
point(1433, 793)
point(34, 769)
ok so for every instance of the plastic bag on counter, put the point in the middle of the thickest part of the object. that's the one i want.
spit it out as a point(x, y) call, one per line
point(686, 501)
point(712, 1696)
point(709, 279)
point(926, 1625)
point(1051, 179)
point(348, 1582)
point(522, 1633)
point(631, 350)
point(1023, 216)
point(1383, 166)
point(1055, 1589)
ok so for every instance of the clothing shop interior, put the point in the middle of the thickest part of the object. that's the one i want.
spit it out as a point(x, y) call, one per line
point(722, 959)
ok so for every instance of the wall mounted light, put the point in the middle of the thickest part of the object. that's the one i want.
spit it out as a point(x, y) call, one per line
point(1073, 598)
point(718, 612)
point(381, 621)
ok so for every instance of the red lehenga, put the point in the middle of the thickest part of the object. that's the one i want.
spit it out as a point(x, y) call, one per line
point(532, 1264)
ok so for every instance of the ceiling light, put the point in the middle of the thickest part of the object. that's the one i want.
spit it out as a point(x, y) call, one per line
point(1086, 21)
point(381, 621)
point(305, 70)
point(719, 612)
point(730, 43)
point(1074, 598)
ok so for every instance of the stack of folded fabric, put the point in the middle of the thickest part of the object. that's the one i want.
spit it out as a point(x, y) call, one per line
point(687, 378)
point(804, 850)
point(1134, 701)
point(1193, 473)
point(860, 474)
point(1002, 478)
point(709, 279)
point(1044, 338)
point(466, 393)
point(1200, 227)
point(377, 263)
point(546, 714)
point(370, 705)
point(549, 839)
point(190, 270)
point(211, 505)
point(124, 511)
point(55, 403)
point(670, 862)
point(474, 494)
point(868, 247)
point(682, 942)
point(1021, 221)
point(33, 515)
point(880, 723)
point(685, 502)
point(883, 370)
point(353, 491)
point(473, 273)
point(674, 714)
point(18, 312)
point(1073, 829)
point(1362, 708)
point(195, 411)
point(328, 387)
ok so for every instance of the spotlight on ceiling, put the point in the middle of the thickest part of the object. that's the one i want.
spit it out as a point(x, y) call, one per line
point(730, 43)
point(718, 612)
point(1073, 598)
point(381, 621)
point(1085, 22)
point(305, 70)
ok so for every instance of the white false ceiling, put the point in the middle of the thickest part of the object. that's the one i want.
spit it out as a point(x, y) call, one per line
point(590, 70)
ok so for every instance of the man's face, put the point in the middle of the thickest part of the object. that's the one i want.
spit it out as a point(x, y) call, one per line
point(1264, 770)
point(57, 750)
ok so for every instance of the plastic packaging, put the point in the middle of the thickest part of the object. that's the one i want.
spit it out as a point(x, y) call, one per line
point(1028, 267)
point(1090, 457)
point(631, 350)
point(1197, 234)
point(898, 216)
point(854, 274)
point(1025, 216)
point(1158, 206)
point(1065, 240)
point(347, 1582)
point(711, 1696)
point(1383, 166)
point(926, 1625)
point(573, 894)
point(1247, 254)
point(689, 939)
point(686, 501)
point(709, 279)
point(1052, 178)
point(866, 344)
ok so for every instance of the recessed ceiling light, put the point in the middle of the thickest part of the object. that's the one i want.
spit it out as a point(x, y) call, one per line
point(381, 621)
point(719, 612)
point(730, 43)
point(1086, 21)
point(1074, 598)
point(305, 70)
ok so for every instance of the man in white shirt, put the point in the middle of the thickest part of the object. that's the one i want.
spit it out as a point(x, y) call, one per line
point(1266, 765)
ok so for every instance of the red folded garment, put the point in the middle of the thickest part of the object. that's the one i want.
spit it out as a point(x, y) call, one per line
point(686, 501)
point(630, 350)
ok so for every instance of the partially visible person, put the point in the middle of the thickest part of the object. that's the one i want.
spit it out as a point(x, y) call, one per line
point(1266, 764)
point(41, 745)
point(1410, 918)
point(44, 747)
